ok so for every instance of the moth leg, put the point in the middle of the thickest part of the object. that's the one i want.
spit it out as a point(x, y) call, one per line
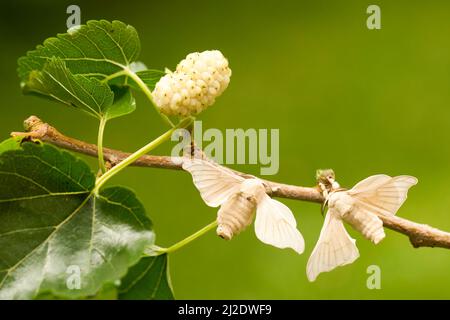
point(325, 195)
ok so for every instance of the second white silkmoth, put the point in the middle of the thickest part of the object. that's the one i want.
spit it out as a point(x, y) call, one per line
point(359, 206)
point(238, 199)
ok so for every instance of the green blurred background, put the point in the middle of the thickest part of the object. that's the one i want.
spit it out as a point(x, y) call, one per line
point(357, 100)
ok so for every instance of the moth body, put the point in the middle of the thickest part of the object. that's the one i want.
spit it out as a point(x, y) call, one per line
point(368, 224)
point(363, 221)
point(235, 215)
point(239, 209)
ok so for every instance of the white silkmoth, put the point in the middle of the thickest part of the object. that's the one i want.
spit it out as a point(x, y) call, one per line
point(359, 206)
point(238, 199)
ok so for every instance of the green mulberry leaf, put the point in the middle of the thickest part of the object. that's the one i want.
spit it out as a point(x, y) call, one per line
point(56, 236)
point(98, 49)
point(147, 280)
point(57, 82)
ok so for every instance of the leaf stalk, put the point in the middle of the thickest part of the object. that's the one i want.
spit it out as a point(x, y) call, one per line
point(136, 155)
point(187, 240)
point(101, 130)
point(148, 93)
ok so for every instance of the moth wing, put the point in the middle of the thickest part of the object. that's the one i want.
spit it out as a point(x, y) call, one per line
point(334, 248)
point(275, 225)
point(215, 183)
point(370, 183)
point(381, 193)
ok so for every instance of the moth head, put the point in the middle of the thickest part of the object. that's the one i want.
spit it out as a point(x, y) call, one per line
point(325, 176)
point(326, 179)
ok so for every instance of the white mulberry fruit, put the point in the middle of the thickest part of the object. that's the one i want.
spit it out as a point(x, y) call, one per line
point(195, 84)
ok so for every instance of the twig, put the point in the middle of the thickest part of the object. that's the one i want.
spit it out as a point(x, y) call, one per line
point(420, 235)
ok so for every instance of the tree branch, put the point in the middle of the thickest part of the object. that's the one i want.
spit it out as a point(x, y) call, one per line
point(420, 235)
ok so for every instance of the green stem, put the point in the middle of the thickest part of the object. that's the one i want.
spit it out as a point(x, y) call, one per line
point(115, 75)
point(101, 129)
point(148, 93)
point(136, 155)
point(189, 239)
